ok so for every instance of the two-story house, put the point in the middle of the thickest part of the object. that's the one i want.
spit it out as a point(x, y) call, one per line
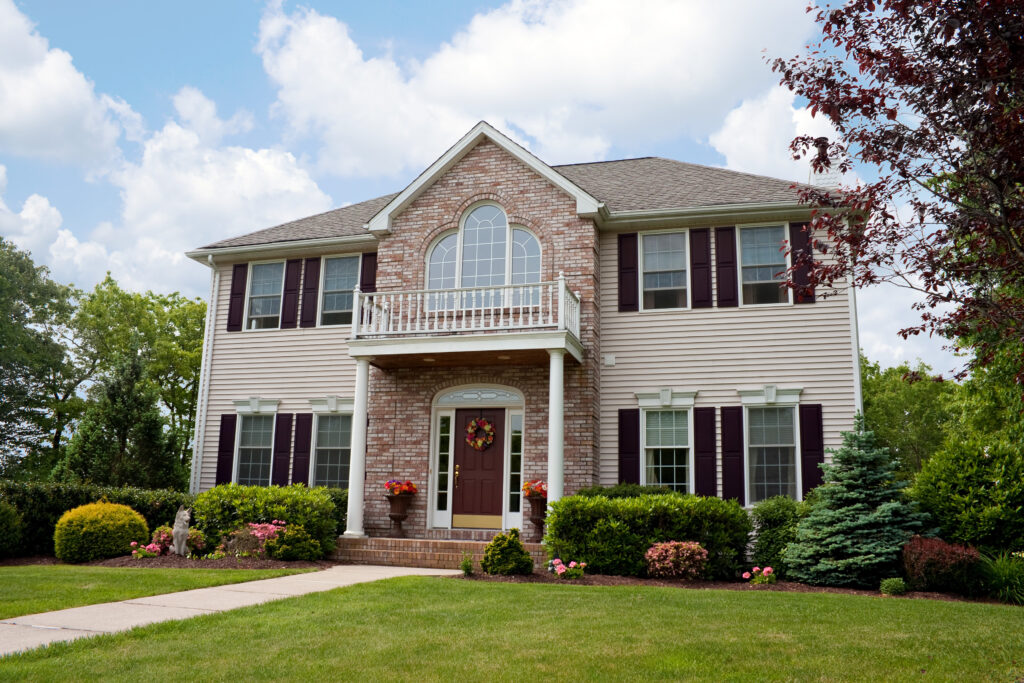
point(501, 320)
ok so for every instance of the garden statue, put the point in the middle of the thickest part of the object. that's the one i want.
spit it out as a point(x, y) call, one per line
point(180, 532)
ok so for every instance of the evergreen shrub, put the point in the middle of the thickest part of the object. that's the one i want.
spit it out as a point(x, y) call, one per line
point(97, 531)
point(340, 499)
point(775, 521)
point(41, 504)
point(893, 586)
point(293, 543)
point(11, 531)
point(623, 491)
point(505, 554)
point(859, 522)
point(228, 507)
point(932, 564)
point(612, 535)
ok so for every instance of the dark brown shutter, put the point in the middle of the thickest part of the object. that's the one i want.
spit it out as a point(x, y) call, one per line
point(290, 300)
point(629, 299)
point(733, 476)
point(310, 292)
point(800, 243)
point(700, 268)
point(226, 448)
point(812, 445)
point(705, 478)
point(629, 445)
point(368, 273)
point(725, 267)
point(236, 305)
point(303, 441)
point(282, 449)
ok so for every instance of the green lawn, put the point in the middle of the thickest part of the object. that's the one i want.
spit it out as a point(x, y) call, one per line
point(44, 588)
point(442, 629)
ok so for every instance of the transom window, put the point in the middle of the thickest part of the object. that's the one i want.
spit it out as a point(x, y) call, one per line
point(266, 284)
point(763, 265)
point(771, 452)
point(339, 279)
point(664, 270)
point(255, 449)
point(487, 252)
point(332, 451)
point(667, 449)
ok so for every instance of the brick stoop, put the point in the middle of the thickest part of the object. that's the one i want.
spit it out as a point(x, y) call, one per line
point(418, 552)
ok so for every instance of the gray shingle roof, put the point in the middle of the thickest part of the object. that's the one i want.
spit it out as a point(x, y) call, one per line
point(626, 185)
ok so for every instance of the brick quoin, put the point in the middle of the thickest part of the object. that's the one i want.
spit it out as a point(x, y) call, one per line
point(400, 399)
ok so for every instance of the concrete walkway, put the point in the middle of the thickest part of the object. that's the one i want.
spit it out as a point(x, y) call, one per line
point(34, 630)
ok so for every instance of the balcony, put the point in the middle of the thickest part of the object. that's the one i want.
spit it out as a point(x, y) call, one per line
point(505, 318)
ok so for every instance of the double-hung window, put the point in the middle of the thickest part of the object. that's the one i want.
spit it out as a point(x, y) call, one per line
point(266, 285)
point(340, 277)
point(763, 265)
point(255, 450)
point(771, 452)
point(667, 449)
point(664, 270)
point(332, 450)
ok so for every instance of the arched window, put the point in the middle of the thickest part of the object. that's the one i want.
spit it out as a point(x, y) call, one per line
point(487, 252)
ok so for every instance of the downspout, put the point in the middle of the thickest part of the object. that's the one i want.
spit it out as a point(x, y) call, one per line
point(858, 394)
point(204, 379)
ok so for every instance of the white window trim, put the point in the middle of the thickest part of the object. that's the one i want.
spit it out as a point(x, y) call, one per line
point(332, 405)
point(739, 263)
point(666, 398)
point(238, 440)
point(785, 398)
point(459, 231)
point(248, 295)
point(320, 286)
point(640, 270)
point(254, 405)
point(690, 460)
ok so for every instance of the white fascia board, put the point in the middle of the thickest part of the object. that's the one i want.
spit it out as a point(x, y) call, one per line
point(380, 224)
point(255, 251)
point(428, 346)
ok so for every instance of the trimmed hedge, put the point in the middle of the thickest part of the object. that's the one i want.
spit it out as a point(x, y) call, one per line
point(624, 491)
point(224, 508)
point(97, 531)
point(41, 504)
point(775, 521)
point(340, 498)
point(612, 534)
point(11, 526)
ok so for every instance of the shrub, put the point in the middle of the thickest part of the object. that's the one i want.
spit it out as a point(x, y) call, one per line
point(975, 492)
point(340, 499)
point(196, 542)
point(505, 554)
point(775, 521)
point(759, 576)
point(676, 560)
point(97, 531)
point(466, 565)
point(623, 491)
point(11, 531)
point(859, 522)
point(41, 504)
point(893, 586)
point(567, 572)
point(293, 543)
point(163, 536)
point(1003, 577)
point(933, 564)
point(228, 507)
point(612, 534)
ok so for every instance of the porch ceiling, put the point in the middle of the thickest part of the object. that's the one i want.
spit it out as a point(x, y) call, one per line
point(529, 348)
point(474, 359)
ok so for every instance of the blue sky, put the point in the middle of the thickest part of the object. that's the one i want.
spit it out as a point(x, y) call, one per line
point(131, 132)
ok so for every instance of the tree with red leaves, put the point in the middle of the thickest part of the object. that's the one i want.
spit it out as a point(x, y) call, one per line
point(928, 95)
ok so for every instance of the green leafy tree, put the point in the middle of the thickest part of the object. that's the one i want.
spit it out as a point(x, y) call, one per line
point(860, 519)
point(908, 409)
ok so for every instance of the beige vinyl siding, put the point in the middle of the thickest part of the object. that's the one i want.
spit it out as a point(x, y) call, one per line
point(718, 351)
point(291, 366)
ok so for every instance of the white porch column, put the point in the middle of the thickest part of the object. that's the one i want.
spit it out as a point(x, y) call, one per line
point(357, 463)
point(556, 425)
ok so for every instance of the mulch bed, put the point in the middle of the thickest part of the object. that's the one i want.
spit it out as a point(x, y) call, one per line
point(780, 586)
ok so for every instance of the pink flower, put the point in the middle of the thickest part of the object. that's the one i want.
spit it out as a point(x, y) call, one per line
point(556, 562)
point(572, 564)
point(135, 544)
point(561, 569)
point(757, 569)
point(767, 571)
point(746, 575)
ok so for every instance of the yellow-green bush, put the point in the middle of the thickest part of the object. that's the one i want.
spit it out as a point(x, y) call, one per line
point(97, 531)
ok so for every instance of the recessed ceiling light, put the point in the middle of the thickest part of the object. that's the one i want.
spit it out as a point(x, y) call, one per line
point(504, 357)
point(428, 360)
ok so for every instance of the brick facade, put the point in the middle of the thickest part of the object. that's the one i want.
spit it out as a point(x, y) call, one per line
point(400, 399)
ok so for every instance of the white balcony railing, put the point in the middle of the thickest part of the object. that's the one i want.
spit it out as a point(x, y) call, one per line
point(538, 306)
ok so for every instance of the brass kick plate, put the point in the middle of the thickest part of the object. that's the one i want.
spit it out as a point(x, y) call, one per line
point(476, 521)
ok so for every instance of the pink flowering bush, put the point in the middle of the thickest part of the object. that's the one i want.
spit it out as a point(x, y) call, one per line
point(143, 551)
point(758, 576)
point(573, 570)
point(251, 539)
point(676, 560)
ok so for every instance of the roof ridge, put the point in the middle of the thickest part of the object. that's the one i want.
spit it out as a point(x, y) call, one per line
point(605, 161)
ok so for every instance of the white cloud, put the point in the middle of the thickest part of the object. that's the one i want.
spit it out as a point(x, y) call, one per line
point(199, 113)
point(48, 109)
point(572, 77)
point(34, 226)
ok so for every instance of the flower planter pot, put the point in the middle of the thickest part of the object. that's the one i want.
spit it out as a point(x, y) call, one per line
point(538, 511)
point(399, 511)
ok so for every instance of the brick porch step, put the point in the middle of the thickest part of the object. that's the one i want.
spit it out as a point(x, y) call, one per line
point(420, 552)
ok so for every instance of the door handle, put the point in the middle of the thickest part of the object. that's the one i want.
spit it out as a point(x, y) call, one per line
point(456, 476)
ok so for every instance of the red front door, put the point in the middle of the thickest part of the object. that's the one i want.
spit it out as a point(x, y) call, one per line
point(476, 502)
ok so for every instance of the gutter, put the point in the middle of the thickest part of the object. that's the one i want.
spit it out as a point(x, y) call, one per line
point(296, 246)
point(739, 212)
point(203, 395)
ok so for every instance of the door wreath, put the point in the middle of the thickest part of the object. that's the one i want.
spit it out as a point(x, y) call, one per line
point(479, 443)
